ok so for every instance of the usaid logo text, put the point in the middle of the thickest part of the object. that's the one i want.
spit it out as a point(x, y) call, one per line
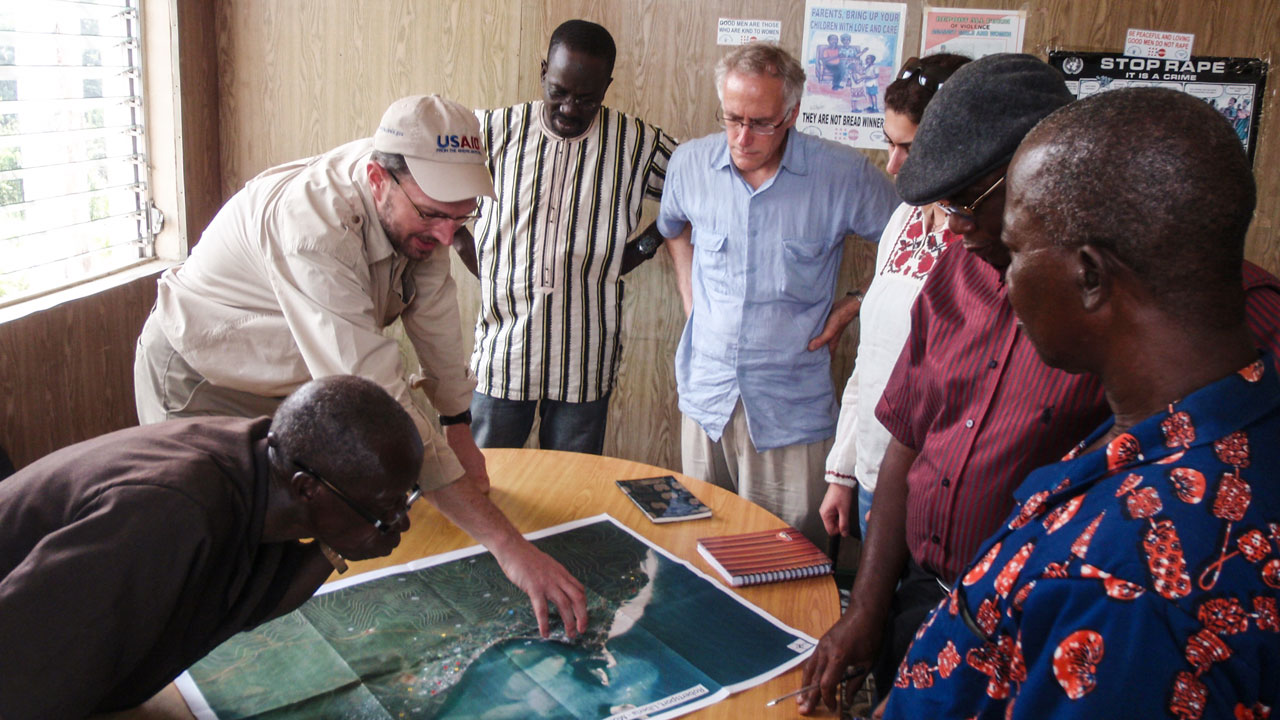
point(458, 143)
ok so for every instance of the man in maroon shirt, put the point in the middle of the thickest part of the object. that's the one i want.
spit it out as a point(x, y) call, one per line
point(970, 405)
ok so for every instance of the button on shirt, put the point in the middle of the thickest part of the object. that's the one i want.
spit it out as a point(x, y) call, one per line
point(550, 248)
point(763, 276)
point(972, 397)
point(1142, 576)
point(295, 279)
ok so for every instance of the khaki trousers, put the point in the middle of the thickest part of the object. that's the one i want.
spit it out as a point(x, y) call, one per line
point(166, 387)
point(786, 481)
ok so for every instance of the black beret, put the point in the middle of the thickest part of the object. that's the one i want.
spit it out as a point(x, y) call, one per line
point(975, 122)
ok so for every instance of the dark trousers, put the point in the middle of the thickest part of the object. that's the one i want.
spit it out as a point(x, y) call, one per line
point(576, 427)
point(918, 592)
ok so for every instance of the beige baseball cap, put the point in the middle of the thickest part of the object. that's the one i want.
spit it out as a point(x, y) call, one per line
point(440, 142)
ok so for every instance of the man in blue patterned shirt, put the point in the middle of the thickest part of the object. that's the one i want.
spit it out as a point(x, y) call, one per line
point(757, 218)
point(1140, 576)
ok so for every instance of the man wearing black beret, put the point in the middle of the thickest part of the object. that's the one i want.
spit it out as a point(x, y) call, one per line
point(971, 407)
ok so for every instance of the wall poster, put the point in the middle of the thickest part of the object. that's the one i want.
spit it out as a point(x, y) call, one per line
point(1232, 86)
point(851, 51)
point(972, 33)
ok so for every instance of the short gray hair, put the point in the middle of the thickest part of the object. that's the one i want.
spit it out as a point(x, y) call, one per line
point(763, 58)
point(349, 428)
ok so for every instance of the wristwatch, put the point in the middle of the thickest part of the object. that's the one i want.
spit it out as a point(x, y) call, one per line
point(463, 417)
point(855, 294)
point(648, 244)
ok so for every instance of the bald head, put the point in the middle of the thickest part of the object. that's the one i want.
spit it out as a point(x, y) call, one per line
point(1156, 178)
point(348, 428)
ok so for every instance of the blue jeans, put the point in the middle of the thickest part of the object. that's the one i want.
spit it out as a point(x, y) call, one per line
point(576, 427)
point(863, 507)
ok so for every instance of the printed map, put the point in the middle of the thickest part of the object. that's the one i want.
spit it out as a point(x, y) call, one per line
point(451, 637)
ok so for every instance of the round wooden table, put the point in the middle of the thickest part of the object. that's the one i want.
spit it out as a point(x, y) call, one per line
point(540, 488)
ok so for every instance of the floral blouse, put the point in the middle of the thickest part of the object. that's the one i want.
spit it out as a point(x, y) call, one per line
point(1138, 580)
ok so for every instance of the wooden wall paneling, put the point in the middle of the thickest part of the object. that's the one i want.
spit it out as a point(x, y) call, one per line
point(299, 77)
point(374, 51)
point(200, 173)
point(67, 372)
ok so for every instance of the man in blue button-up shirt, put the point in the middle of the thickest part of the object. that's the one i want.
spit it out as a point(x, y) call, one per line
point(757, 218)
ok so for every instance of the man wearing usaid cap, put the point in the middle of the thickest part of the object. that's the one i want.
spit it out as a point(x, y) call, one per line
point(295, 279)
point(440, 142)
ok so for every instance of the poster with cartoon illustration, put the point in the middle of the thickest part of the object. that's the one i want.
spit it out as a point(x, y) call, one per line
point(851, 50)
point(1232, 86)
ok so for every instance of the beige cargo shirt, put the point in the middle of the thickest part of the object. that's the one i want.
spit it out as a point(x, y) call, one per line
point(295, 279)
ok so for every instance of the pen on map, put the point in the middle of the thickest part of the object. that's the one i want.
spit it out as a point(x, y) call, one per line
point(853, 672)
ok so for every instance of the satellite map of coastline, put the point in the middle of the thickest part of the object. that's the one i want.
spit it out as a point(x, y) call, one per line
point(451, 637)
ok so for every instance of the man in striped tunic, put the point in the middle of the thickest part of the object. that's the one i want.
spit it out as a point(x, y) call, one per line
point(550, 250)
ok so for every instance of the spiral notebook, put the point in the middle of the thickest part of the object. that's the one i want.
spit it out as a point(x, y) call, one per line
point(765, 556)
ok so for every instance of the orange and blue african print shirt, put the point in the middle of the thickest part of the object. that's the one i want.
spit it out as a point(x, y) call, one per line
point(1137, 580)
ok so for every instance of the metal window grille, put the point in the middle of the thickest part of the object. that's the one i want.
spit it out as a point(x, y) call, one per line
point(74, 197)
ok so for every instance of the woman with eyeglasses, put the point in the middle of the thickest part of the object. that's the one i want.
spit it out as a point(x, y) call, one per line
point(909, 247)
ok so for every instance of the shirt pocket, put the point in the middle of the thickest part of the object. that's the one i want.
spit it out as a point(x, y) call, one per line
point(712, 258)
point(802, 264)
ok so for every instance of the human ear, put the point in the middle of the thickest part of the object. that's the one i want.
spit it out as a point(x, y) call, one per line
point(304, 486)
point(1093, 277)
point(377, 176)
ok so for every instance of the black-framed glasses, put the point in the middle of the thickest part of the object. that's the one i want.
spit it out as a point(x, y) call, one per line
point(559, 96)
point(969, 212)
point(432, 216)
point(384, 526)
point(912, 69)
point(755, 127)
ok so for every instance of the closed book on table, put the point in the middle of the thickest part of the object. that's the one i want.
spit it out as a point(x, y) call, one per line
point(664, 499)
point(764, 556)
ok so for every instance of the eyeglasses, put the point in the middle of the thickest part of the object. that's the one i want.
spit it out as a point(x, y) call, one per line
point(755, 127)
point(384, 526)
point(912, 69)
point(559, 96)
point(969, 212)
point(433, 217)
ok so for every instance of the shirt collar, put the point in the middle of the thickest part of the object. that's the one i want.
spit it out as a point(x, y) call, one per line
point(1249, 393)
point(794, 158)
point(539, 107)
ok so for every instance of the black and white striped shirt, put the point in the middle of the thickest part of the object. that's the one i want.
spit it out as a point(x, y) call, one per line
point(549, 250)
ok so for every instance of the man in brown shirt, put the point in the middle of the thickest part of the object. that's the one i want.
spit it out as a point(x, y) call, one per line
point(127, 558)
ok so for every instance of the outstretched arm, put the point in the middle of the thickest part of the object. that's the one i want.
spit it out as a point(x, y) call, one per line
point(855, 638)
point(463, 444)
point(543, 579)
